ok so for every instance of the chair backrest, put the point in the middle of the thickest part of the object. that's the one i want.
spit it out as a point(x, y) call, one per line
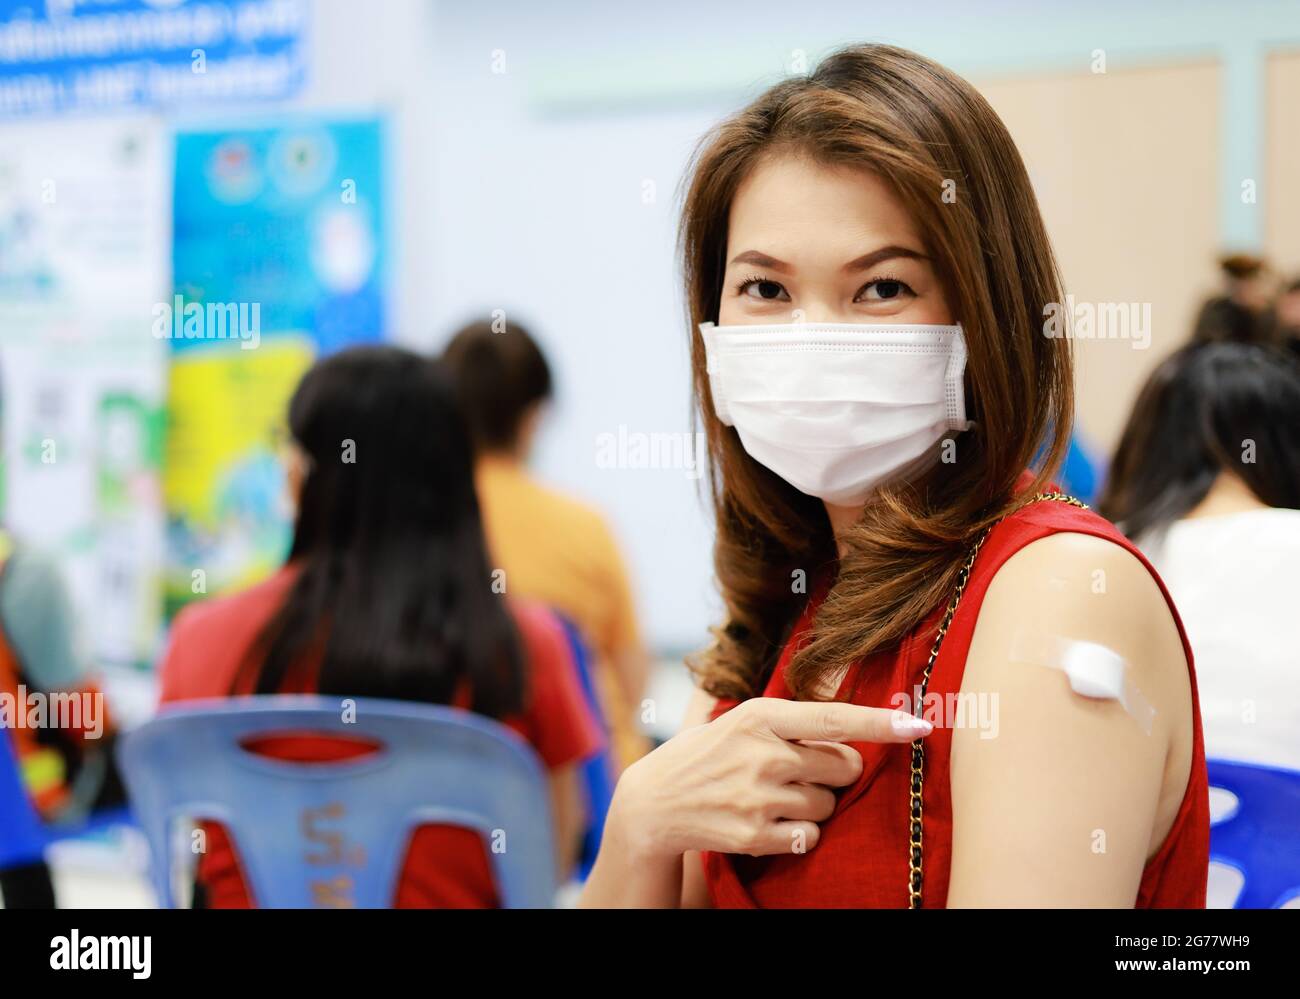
point(22, 837)
point(335, 834)
point(1261, 837)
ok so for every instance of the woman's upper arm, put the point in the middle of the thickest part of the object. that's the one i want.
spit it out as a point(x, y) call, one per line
point(1055, 794)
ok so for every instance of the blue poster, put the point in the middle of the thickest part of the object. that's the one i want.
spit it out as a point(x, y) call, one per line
point(279, 256)
point(63, 55)
point(287, 221)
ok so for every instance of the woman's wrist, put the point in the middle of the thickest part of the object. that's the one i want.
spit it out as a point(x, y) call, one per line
point(634, 866)
point(634, 825)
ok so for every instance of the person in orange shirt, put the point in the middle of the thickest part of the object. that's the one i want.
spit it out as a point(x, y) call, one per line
point(552, 548)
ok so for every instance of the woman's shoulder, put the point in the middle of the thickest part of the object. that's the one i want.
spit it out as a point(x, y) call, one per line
point(1052, 512)
point(1055, 545)
point(1080, 563)
point(545, 640)
point(208, 637)
point(1068, 570)
point(219, 612)
point(1066, 534)
point(536, 622)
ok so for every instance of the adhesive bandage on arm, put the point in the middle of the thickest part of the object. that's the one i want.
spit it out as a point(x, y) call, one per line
point(1094, 671)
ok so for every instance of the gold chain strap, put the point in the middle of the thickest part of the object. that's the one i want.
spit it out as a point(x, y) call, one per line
point(918, 745)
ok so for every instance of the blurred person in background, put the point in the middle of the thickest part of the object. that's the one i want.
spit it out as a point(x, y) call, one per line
point(553, 548)
point(67, 772)
point(1239, 314)
point(1248, 280)
point(387, 593)
point(1206, 479)
point(1284, 318)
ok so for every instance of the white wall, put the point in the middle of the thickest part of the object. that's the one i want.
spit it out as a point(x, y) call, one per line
point(548, 219)
point(523, 190)
point(494, 206)
point(537, 193)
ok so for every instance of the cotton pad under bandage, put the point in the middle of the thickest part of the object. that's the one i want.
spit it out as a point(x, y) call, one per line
point(1094, 671)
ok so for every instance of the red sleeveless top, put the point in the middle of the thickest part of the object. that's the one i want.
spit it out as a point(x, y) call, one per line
point(861, 859)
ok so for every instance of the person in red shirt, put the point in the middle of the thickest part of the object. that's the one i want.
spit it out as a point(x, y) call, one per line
point(879, 354)
point(387, 593)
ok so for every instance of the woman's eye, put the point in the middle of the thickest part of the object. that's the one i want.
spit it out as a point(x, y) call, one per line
point(883, 291)
point(764, 290)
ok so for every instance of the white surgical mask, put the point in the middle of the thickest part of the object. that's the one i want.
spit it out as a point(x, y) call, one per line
point(837, 408)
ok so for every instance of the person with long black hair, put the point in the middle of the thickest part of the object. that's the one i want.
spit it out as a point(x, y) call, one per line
point(388, 592)
point(1206, 480)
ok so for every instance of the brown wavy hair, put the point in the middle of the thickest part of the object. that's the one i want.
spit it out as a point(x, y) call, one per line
point(918, 126)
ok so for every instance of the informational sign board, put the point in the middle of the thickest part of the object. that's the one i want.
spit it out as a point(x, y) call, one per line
point(278, 257)
point(96, 55)
point(83, 251)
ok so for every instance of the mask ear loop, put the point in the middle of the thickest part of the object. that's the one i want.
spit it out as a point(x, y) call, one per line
point(954, 384)
point(708, 333)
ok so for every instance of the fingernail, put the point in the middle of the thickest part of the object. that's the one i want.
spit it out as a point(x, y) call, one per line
point(910, 725)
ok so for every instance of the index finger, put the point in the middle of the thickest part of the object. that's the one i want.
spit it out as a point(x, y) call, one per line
point(834, 721)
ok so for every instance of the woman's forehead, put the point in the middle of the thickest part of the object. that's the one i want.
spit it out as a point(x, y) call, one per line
point(794, 205)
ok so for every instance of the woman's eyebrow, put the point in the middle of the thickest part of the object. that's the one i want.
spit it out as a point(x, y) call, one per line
point(884, 253)
point(761, 260)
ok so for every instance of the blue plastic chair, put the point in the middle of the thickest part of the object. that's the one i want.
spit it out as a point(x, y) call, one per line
point(1261, 837)
point(333, 835)
point(598, 772)
point(23, 834)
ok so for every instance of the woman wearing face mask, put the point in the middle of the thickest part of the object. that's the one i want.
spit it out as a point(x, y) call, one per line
point(868, 278)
